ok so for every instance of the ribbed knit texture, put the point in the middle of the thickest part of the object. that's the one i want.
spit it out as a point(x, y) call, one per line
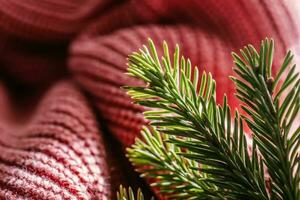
point(47, 20)
point(57, 154)
point(51, 140)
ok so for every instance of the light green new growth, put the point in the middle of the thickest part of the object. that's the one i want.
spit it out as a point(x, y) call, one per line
point(167, 166)
point(195, 149)
point(123, 194)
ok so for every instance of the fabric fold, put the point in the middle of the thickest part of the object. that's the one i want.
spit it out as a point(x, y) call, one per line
point(57, 154)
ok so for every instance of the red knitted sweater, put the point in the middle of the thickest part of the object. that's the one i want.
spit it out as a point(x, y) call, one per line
point(62, 64)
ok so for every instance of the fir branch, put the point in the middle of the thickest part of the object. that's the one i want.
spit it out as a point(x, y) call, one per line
point(199, 125)
point(273, 115)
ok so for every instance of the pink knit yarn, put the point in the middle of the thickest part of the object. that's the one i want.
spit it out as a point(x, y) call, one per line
point(48, 20)
point(55, 150)
point(57, 154)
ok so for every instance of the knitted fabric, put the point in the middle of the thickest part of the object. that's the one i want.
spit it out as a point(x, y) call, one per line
point(48, 20)
point(55, 140)
point(57, 153)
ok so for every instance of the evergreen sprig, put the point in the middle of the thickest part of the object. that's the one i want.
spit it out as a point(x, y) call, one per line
point(272, 115)
point(195, 149)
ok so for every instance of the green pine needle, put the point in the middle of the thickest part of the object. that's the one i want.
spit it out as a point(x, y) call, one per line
point(195, 149)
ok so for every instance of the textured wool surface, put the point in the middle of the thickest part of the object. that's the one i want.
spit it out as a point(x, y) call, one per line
point(64, 118)
point(56, 153)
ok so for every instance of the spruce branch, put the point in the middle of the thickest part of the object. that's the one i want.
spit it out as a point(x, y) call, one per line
point(272, 115)
point(186, 109)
